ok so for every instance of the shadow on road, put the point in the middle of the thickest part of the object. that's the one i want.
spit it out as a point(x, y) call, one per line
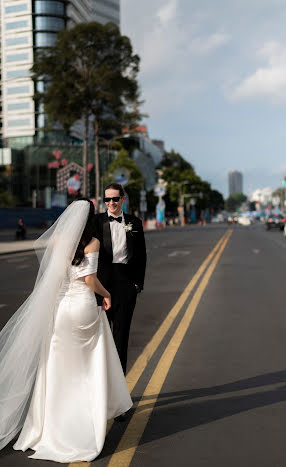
point(179, 411)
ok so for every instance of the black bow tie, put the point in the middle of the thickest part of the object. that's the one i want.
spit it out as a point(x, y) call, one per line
point(118, 219)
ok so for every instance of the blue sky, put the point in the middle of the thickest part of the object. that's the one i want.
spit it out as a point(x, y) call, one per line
point(213, 76)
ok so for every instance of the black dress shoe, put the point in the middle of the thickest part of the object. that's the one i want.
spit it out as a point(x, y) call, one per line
point(121, 418)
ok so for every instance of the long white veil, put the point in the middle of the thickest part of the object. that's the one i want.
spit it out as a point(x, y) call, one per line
point(22, 337)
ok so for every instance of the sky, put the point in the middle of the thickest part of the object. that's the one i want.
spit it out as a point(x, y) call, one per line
point(213, 78)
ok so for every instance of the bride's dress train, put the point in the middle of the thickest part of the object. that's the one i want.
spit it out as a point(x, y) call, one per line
point(79, 383)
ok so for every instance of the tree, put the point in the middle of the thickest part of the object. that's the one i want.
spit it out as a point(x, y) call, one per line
point(90, 75)
point(135, 180)
point(174, 159)
point(234, 201)
point(7, 199)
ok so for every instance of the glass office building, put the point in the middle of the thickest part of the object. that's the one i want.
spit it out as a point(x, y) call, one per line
point(25, 26)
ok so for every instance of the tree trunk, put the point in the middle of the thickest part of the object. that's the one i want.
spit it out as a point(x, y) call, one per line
point(84, 158)
point(97, 175)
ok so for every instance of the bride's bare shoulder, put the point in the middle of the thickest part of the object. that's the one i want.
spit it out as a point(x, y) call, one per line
point(93, 246)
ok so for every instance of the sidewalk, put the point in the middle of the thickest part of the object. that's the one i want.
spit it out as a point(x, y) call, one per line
point(8, 244)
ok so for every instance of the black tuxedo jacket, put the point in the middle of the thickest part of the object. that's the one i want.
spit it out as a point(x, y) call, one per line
point(136, 249)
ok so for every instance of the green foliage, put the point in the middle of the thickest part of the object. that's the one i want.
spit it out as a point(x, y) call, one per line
point(216, 200)
point(7, 200)
point(91, 72)
point(174, 159)
point(234, 201)
point(135, 181)
point(182, 179)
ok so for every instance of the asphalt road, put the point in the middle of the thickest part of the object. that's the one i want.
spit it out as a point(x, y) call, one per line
point(211, 391)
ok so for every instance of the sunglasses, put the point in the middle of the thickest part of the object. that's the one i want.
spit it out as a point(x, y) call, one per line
point(115, 199)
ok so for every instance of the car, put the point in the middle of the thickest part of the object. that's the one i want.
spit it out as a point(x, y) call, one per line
point(275, 221)
point(243, 220)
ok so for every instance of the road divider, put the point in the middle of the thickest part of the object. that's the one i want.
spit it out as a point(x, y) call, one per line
point(134, 431)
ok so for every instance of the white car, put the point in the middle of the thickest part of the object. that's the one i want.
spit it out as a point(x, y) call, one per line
point(242, 220)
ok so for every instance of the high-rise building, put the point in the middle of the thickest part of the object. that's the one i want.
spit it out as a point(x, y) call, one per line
point(106, 10)
point(26, 25)
point(235, 182)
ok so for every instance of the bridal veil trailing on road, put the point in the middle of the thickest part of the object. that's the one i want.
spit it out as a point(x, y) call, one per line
point(22, 337)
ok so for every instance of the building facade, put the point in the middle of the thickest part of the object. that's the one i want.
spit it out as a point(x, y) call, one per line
point(25, 26)
point(235, 184)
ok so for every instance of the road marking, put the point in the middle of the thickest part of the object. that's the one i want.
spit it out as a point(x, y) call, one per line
point(179, 253)
point(134, 431)
point(142, 361)
point(140, 364)
point(2, 305)
point(16, 260)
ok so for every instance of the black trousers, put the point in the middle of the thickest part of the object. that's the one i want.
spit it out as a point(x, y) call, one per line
point(123, 301)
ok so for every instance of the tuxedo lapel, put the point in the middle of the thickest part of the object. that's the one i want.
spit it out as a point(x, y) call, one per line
point(129, 240)
point(107, 235)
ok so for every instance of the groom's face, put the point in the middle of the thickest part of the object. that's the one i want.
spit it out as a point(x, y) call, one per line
point(114, 207)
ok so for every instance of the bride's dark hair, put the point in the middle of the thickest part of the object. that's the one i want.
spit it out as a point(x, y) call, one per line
point(86, 235)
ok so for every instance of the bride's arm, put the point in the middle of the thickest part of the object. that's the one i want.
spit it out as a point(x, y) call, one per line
point(94, 284)
point(92, 281)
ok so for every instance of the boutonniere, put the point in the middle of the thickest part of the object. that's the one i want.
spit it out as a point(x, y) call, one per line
point(127, 227)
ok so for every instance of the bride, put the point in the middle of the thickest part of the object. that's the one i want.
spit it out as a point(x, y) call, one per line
point(60, 375)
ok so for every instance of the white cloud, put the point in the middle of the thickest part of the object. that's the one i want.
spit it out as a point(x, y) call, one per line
point(268, 81)
point(207, 44)
point(167, 12)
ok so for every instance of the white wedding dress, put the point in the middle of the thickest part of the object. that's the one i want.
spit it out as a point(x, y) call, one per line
point(79, 383)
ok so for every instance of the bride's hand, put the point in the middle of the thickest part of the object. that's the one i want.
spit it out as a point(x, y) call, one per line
point(106, 303)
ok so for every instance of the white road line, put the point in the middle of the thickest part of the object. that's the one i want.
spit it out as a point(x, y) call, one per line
point(179, 253)
point(2, 305)
point(22, 266)
point(16, 260)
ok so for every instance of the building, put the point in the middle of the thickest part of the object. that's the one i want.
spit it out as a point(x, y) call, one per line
point(235, 182)
point(25, 26)
point(106, 10)
point(262, 196)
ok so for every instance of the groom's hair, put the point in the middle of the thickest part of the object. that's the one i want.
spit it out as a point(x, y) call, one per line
point(116, 186)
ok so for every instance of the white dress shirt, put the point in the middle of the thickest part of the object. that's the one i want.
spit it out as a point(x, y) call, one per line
point(118, 239)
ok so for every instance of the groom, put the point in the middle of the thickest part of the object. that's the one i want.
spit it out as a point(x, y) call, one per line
point(122, 262)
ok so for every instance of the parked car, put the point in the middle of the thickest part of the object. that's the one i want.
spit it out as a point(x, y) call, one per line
point(275, 221)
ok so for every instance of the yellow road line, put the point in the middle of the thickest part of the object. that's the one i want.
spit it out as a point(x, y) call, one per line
point(142, 361)
point(131, 438)
point(140, 364)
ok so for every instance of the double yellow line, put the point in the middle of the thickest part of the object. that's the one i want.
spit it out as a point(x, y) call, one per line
point(131, 438)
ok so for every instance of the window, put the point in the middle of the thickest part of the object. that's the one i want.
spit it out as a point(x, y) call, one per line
point(23, 122)
point(49, 7)
point(17, 41)
point(17, 24)
point(49, 24)
point(18, 90)
point(16, 8)
point(19, 106)
point(45, 39)
point(17, 57)
point(17, 73)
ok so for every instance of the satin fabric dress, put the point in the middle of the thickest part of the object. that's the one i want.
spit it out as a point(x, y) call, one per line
point(80, 383)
